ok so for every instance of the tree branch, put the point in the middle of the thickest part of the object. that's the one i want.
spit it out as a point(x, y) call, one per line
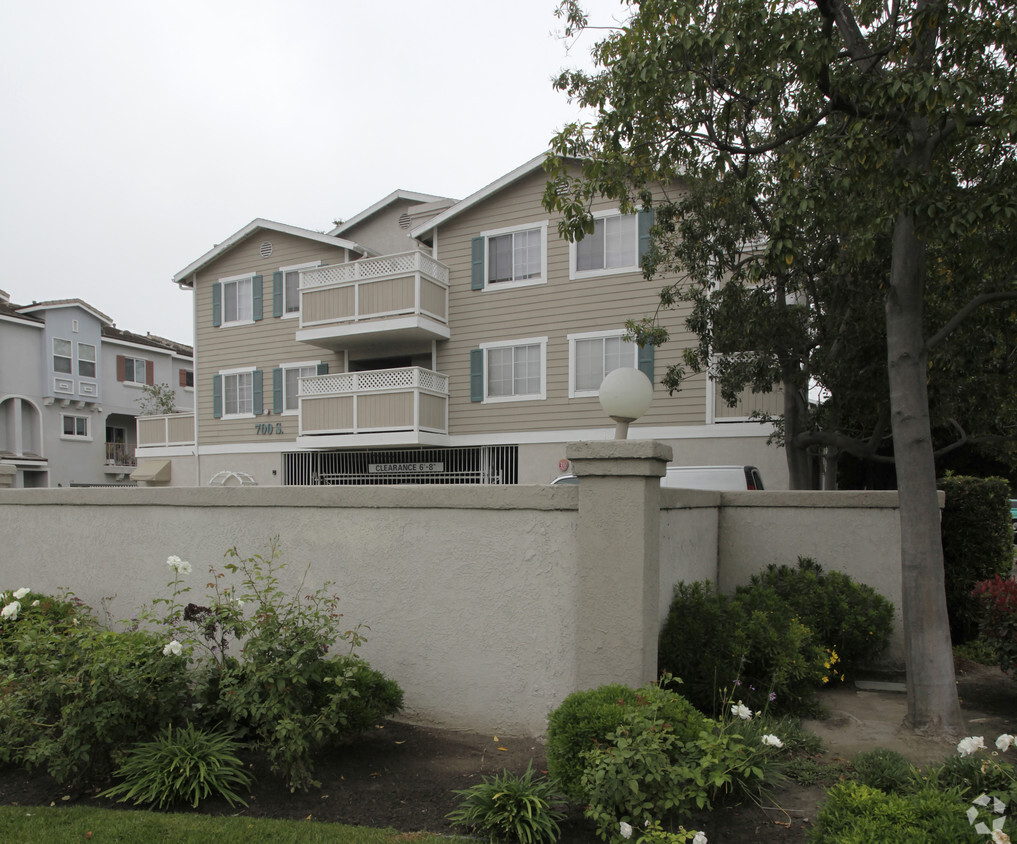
point(968, 310)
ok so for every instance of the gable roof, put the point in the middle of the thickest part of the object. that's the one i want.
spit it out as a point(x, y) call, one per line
point(482, 194)
point(182, 279)
point(424, 199)
point(53, 304)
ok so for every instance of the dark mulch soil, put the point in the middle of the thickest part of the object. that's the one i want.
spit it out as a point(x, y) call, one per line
point(404, 776)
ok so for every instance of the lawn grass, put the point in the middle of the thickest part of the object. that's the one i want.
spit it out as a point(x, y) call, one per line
point(56, 825)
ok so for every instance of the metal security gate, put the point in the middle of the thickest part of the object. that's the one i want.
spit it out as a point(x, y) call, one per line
point(478, 465)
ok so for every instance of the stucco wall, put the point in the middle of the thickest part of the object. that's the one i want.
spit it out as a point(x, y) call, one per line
point(484, 602)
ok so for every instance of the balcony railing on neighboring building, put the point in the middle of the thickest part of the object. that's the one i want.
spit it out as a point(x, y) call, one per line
point(405, 295)
point(174, 429)
point(411, 400)
point(120, 454)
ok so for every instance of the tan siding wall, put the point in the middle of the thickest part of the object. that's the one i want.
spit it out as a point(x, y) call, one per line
point(264, 345)
point(555, 309)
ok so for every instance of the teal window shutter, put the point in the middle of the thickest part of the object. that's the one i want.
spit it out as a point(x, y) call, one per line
point(476, 374)
point(645, 361)
point(216, 304)
point(259, 396)
point(645, 223)
point(277, 294)
point(477, 277)
point(217, 395)
point(322, 369)
point(256, 297)
point(277, 390)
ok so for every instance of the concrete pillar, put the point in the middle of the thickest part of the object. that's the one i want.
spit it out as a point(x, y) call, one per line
point(8, 473)
point(619, 559)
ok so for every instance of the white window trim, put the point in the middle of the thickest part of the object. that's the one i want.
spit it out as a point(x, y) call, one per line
point(575, 274)
point(284, 367)
point(74, 437)
point(525, 282)
point(306, 266)
point(510, 344)
point(592, 335)
point(222, 299)
point(223, 373)
point(135, 383)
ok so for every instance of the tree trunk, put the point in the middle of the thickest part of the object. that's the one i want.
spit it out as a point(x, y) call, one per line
point(799, 470)
point(933, 707)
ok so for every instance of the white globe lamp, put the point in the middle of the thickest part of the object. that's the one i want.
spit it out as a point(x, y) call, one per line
point(625, 395)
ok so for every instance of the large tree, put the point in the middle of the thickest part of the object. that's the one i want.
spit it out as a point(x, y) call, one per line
point(874, 142)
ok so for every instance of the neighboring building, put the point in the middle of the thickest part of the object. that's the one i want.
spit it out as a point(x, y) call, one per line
point(69, 384)
point(432, 341)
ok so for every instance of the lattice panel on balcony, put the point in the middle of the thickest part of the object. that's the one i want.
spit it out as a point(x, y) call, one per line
point(401, 264)
point(374, 381)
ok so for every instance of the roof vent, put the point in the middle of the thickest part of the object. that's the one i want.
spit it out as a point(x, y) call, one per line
point(405, 220)
point(266, 249)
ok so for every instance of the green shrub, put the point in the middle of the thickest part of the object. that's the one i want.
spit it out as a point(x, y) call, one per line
point(644, 771)
point(748, 647)
point(586, 718)
point(186, 766)
point(849, 618)
point(292, 691)
point(977, 544)
point(511, 808)
point(855, 813)
point(884, 769)
point(972, 776)
point(74, 696)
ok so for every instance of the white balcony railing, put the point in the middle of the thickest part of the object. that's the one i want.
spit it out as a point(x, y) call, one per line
point(408, 291)
point(412, 400)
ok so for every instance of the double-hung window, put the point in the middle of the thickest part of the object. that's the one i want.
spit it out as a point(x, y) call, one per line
point(236, 300)
point(616, 245)
point(237, 393)
point(61, 355)
point(286, 384)
point(509, 371)
point(86, 360)
point(594, 354)
point(286, 290)
point(513, 257)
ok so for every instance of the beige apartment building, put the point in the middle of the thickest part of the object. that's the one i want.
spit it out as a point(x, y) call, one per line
point(428, 340)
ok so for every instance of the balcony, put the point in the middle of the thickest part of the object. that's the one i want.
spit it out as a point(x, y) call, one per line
point(174, 429)
point(381, 407)
point(119, 458)
point(399, 298)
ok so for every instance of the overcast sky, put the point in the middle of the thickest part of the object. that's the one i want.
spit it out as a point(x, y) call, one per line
point(138, 134)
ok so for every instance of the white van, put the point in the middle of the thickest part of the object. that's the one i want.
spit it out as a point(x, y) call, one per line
point(699, 477)
point(712, 477)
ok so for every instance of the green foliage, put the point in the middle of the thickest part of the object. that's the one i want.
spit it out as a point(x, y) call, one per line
point(847, 617)
point(997, 600)
point(292, 691)
point(186, 766)
point(747, 647)
point(511, 808)
point(74, 695)
point(856, 813)
point(157, 400)
point(644, 771)
point(971, 776)
point(884, 769)
point(977, 544)
point(585, 719)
